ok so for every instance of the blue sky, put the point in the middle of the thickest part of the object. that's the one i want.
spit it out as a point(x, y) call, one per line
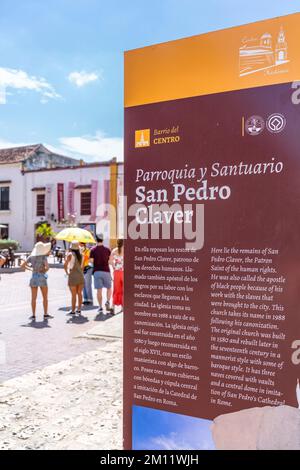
point(61, 62)
point(160, 430)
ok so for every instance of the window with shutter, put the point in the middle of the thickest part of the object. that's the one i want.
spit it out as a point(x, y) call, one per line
point(85, 203)
point(40, 205)
point(4, 198)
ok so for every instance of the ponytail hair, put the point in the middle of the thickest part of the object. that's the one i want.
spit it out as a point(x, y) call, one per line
point(120, 244)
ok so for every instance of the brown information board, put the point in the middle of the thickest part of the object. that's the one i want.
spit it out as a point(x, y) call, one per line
point(212, 255)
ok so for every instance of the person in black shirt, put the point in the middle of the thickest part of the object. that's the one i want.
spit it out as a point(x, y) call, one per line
point(100, 255)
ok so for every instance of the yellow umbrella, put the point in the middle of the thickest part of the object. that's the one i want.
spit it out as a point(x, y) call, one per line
point(75, 233)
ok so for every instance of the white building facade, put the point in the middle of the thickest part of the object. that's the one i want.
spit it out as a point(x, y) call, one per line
point(12, 195)
point(88, 195)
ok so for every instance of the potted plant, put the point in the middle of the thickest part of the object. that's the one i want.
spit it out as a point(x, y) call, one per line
point(9, 244)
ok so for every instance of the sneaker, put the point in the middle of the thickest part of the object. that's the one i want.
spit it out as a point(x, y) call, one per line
point(71, 313)
point(100, 310)
point(78, 312)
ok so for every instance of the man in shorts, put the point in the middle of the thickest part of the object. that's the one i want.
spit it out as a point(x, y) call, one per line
point(100, 255)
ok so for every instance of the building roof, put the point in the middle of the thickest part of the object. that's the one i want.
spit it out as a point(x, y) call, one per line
point(17, 154)
point(21, 154)
point(79, 167)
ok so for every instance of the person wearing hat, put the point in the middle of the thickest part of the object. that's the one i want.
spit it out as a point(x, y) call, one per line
point(74, 270)
point(38, 264)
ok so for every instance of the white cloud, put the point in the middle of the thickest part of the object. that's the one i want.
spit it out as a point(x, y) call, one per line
point(6, 144)
point(20, 80)
point(98, 147)
point(82, 78)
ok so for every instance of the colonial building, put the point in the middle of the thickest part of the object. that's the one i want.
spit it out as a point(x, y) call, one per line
point(38, 186)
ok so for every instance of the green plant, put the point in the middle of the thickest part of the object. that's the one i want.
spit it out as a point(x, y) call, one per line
point(5, 244)
point(45, 232)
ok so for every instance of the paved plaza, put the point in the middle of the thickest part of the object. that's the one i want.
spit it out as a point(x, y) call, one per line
point(60, 380)
point(31, 345)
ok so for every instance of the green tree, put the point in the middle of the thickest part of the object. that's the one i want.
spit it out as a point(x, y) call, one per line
point(44, 232)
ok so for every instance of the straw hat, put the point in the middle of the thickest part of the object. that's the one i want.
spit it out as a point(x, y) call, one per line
point(41, 249)
point(74, 245)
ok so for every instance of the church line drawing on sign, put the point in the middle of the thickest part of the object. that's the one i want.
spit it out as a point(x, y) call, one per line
point(261, 54)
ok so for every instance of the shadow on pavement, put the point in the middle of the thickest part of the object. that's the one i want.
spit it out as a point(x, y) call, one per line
point(102, 317)
point(84, 307)
point(77, 319)
point(89, 307)
point(37, 324)
point(64, 309)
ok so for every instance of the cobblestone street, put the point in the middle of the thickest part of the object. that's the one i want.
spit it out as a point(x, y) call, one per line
point(31, 345)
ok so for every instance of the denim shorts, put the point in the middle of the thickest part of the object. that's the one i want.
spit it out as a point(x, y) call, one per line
point(38, 280)
point(102, 279)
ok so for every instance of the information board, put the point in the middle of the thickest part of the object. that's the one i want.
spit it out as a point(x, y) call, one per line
point(212, 255)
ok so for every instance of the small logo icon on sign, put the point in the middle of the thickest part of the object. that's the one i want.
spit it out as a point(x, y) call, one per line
point(254, 125)
point(276, 123)
point(142, 138)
